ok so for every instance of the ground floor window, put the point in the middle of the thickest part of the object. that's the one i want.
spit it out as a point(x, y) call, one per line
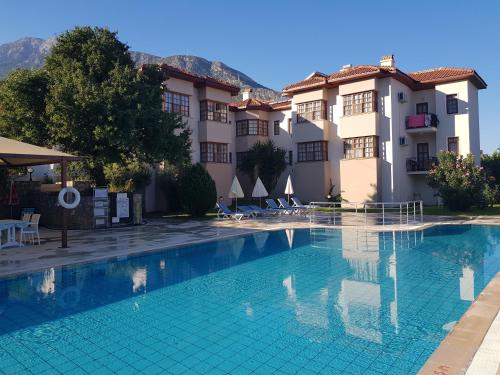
point(361, 147)
point(212, 152)
point(312, 151)
point(453, 144)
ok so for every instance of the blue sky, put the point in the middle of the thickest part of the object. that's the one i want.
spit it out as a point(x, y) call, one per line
point(279, 42)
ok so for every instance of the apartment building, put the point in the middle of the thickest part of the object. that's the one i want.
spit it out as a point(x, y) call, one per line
point(369, 132)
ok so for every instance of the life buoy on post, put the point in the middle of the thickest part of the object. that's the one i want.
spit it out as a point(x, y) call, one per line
point(63, 203)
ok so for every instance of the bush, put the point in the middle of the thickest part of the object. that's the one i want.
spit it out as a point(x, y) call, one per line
point(197, 190)
point(491, 194)
point(127, 178)
point(459, 182)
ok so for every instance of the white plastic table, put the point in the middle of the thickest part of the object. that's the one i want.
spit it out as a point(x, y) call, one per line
point(10, 227)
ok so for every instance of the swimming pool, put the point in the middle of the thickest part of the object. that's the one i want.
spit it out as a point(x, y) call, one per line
point(295, 301)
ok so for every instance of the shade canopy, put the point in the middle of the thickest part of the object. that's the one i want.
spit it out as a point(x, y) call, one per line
point(19, 154)
point(236, 191)
point(289, 186)
point(259, 190)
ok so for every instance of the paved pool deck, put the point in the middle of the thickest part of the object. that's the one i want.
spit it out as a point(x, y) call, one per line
point(472, 347)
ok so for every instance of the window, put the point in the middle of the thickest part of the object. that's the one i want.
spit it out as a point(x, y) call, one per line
point(290, 126)
point(422, 108)
point(213, 111)
point(252, 127)
point(453, 144)
point(361, 147)
point(308, 111)
point(276, 128)
point(212, 152)
point(451, 104)
point(290, 157)
point(361, 102)
point(239, 157)
point(312, 151)
point(176, 103)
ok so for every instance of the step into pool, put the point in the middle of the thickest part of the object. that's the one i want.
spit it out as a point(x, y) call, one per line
point(304, 301)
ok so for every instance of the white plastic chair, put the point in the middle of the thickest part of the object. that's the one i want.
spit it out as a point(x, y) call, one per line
point(32, 229)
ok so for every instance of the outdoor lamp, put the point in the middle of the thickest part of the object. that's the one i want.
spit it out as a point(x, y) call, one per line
point(30, 171)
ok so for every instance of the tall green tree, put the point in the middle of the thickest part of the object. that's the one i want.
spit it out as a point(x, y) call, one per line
point(266, 161)
point(98, 105)
point(22, 106)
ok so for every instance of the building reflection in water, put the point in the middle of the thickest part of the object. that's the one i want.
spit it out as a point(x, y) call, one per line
point(354, 297)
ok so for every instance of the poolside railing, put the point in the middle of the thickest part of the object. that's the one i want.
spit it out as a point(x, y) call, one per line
point(366, 213)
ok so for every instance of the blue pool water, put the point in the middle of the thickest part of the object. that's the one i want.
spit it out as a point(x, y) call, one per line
point(286, 302)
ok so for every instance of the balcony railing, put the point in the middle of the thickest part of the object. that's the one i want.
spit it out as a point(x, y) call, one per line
point(420, 164)
point(422, 121)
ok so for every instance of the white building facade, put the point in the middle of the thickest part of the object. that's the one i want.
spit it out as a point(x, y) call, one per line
point(369, 132)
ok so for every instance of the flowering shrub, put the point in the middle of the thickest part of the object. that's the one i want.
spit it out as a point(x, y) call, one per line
point(459, 182)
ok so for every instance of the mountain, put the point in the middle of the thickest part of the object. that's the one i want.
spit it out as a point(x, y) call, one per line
point(30, 53)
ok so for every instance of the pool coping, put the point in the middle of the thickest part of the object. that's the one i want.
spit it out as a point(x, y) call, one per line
point(456, 352)
point(248, 231)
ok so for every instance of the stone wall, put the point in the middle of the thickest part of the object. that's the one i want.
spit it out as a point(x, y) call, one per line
point(45, 203)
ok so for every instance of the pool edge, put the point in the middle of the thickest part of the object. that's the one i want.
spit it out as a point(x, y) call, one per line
point(455, 353)
point(157, 248)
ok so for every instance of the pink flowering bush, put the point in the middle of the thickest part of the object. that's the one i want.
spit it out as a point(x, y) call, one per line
point(459, 182)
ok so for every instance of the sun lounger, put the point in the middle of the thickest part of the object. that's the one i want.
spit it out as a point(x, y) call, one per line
point(284, 204)
point(297, 203)
point(226, 213)
point(248, 210)
point(264, 211)
point(272, 206)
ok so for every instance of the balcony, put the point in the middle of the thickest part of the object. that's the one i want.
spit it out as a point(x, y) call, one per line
point(423, 123)
point(420, 165)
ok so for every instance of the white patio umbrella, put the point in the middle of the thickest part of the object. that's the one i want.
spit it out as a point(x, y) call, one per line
point(259, 190)
point(236, 191)
point(289, 236)
point(260, 239)
point(289, 188)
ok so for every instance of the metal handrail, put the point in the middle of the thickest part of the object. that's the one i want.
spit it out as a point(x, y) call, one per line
point(375, 213)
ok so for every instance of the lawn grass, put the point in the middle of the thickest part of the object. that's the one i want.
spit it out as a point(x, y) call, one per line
point(212, 214)
point(428, 210)
point(443, 211)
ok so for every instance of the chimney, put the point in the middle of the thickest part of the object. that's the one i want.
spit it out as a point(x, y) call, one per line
point(247, 93)
point(345, 67)
point(388, 60)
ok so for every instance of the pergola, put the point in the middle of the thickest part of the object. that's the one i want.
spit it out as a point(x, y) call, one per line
point(15, 154)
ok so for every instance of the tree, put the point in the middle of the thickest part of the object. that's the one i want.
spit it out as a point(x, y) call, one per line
point(459, 182)
point(491, 165)
point(98, 105)
point(197, 189)
point(22, 106)
point(266, 161)
point(129, 177)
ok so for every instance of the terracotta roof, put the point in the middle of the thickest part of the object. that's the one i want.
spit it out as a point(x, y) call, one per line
point(199, 80)
point(283, 105)
point(359, 71)
point(261, 105)
point(446, 75)
point(416, 80)
point(313, 80)
point(251, 104)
